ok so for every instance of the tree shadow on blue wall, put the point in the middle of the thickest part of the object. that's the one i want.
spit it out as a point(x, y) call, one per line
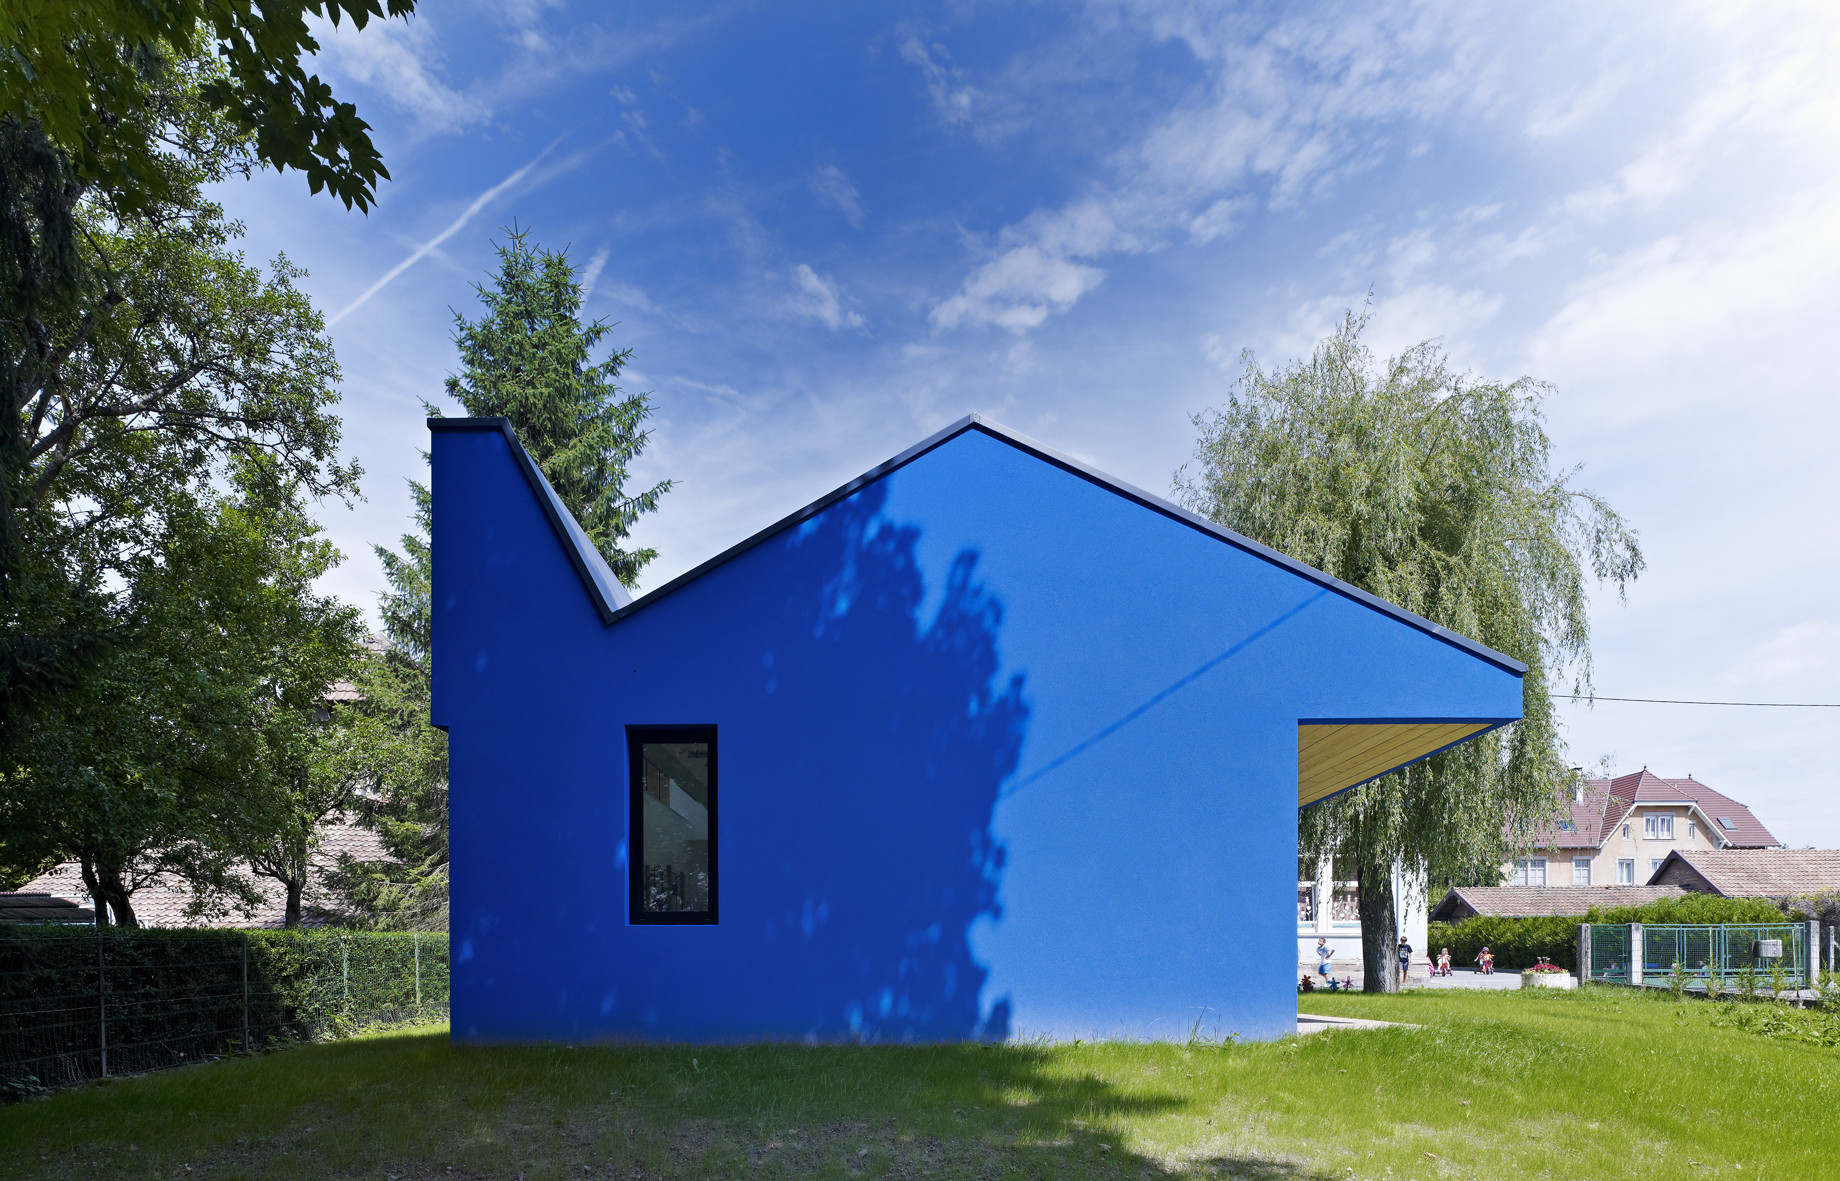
point(900, 737)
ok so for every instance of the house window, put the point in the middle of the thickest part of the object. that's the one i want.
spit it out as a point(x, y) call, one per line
point(1658, 828)
point(1625, 832)
point(1626, 872)
point(1306, 904)
point(1581, 871)
point(673, 824)
point(1529, 871)
point(1654, 863)
point(1692, 830)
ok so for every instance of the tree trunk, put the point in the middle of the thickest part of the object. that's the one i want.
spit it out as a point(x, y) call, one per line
point(108, 894)
point(294, 890)
point(1379, 931)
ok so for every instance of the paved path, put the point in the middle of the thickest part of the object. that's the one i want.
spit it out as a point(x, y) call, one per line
point(1313, 1023)
point(1469, 978)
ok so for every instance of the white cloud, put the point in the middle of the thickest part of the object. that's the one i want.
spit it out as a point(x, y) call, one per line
point(591, 274)
point(955, 100)
point(834, 188)
point(818, 299)
point(398, 59)
point(1017, 290)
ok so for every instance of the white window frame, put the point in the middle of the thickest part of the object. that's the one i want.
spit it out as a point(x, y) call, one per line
point(1626, 871)
point(1581, 871)
point(1526, 869)
point(1654, 864)
point(1658, 826)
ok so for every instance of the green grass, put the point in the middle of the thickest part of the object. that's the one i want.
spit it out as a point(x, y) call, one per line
point(1604, 1083)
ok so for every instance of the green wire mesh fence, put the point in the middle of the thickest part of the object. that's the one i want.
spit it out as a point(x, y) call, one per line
point(82, 1003)
point(1722, 952)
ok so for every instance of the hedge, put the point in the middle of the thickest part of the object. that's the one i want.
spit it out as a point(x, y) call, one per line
point(1518, 943)
point(77, 1003)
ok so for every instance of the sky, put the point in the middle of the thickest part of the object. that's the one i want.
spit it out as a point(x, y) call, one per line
point(827, 231)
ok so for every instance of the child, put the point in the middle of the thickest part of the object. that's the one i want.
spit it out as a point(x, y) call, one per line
point(1323, 954)
point(1443, 961)
point(1486, 962)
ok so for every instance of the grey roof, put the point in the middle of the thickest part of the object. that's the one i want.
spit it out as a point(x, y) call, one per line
point(613, 604)
point(166, 902)
point(42, 908)
point(1753, 873)
point(1522, 902)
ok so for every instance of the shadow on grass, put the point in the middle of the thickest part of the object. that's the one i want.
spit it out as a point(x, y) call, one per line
point(415, 1106)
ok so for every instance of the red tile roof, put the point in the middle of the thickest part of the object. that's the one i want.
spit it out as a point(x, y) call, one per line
point(1606, 802)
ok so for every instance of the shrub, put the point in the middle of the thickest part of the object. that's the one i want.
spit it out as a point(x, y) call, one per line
point(167, 997)
point(1519, 943)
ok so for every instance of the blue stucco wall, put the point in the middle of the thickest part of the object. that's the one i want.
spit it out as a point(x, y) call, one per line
point(1001, 753)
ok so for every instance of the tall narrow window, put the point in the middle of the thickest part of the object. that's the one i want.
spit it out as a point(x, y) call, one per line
point(1581, 871)
point(1626, 872)
point(673, 827)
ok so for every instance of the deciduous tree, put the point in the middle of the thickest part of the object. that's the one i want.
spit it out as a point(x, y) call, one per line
point(1437, 491)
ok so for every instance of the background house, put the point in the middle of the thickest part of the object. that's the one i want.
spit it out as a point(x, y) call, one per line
point(1621, 830)
point(168, 901)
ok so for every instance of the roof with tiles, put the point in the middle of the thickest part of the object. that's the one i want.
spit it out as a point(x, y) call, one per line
point(1605, 803)
point(168, 902)
point(1753, 873)
point(1524, 902)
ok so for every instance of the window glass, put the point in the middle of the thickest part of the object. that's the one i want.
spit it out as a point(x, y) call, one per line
point(673, 824)
point(1626, 873)
point(1654, 863)
point(1536, 872)
point(1581, 871)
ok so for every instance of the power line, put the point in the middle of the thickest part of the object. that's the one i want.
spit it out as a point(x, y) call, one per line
point(1673, 701)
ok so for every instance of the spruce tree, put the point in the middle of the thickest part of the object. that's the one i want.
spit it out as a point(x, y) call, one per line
point(530, 359)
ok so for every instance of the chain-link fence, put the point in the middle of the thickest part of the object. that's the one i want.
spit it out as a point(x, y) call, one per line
point(1610, 952)
point(82, 1003)
point(1697, 953)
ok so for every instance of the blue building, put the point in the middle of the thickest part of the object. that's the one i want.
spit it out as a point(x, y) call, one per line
point(983, 744)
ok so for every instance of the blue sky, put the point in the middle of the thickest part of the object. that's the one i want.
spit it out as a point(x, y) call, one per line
point(827, 231)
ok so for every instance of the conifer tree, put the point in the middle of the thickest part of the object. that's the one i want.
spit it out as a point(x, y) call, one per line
point(530, 359)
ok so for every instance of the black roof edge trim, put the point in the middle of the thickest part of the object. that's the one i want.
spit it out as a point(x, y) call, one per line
point(1066, 463)
point(1496, 724)
point(604, 590)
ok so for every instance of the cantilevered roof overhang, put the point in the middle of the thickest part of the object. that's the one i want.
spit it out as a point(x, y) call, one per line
point(1333, 755)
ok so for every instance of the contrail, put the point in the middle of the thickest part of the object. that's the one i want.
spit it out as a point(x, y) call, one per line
point(479, 202)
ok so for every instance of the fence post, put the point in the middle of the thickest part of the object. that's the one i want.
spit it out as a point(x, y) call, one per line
point(1584, 952)
point(1636, 951)
point(102, 1003)
point(418, 973)
point(246, 1048)
point(1811, 954)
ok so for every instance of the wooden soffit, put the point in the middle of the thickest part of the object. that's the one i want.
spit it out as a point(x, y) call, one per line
point(1332, 756)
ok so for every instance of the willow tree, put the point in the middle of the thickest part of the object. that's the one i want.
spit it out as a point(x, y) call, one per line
point(1438, 492)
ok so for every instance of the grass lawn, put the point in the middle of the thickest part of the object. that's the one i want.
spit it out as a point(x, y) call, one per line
point(1602, 1083)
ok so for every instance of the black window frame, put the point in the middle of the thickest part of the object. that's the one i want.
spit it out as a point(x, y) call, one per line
point(636, 738)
